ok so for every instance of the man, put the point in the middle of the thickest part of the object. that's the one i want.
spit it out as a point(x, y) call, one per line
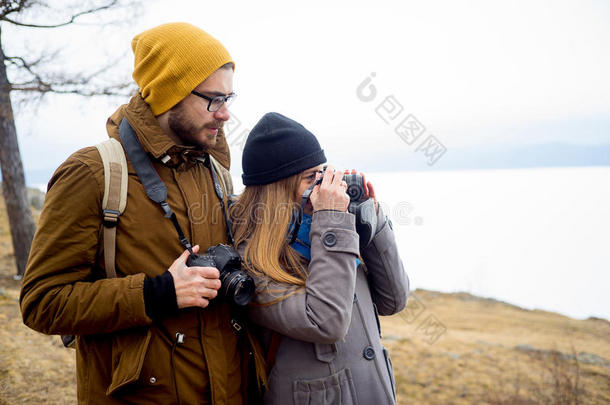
point(133, 343)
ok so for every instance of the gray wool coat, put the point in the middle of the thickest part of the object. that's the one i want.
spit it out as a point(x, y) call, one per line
point(330, 350)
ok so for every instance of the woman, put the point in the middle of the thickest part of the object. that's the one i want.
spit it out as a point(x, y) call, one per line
point(315, 301)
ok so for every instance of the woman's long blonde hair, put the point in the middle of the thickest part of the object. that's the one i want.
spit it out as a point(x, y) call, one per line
point(261, 218)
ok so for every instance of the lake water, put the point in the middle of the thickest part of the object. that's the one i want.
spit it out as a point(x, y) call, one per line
point(537, 238)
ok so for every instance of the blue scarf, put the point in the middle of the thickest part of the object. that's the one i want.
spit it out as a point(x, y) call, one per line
point(302, 244)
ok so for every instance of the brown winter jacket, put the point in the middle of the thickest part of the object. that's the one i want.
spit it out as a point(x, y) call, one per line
point(122, 355)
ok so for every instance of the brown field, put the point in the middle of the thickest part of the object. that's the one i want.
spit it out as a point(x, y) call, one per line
point(446, 349)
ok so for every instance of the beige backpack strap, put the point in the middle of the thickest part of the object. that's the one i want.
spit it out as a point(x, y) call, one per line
point(115, 197)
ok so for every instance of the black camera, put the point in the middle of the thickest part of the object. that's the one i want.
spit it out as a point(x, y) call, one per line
point(235, 284)
point(361, 206)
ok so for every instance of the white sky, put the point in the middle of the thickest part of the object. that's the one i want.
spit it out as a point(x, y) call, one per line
point(475, 74)
point(472, 72)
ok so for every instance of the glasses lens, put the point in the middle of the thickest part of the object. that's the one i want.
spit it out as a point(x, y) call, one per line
point(216, 103)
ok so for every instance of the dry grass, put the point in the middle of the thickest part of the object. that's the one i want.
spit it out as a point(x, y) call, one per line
point(446, 349)
point(34, 368)
point(495, 353)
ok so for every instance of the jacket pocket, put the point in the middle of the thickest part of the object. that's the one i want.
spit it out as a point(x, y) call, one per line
point(128, 352)
point(336, 389)
point(388, 363)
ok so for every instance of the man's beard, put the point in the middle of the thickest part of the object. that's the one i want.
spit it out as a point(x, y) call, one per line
point(187, 131)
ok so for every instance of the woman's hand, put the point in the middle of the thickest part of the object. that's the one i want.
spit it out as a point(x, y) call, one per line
point(331, 193)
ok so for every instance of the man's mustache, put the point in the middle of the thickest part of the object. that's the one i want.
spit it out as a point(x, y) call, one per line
point(217, 124)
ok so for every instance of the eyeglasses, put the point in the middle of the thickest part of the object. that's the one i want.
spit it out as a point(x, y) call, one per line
point(215, 103)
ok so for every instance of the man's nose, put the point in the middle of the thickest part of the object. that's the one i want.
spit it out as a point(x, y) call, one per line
point(223, 113)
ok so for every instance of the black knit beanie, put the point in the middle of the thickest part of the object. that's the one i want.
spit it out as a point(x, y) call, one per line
point(276, 148)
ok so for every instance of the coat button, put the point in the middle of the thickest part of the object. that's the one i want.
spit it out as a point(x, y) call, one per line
point(369, 353)
point(329, 239)
point(153, 380)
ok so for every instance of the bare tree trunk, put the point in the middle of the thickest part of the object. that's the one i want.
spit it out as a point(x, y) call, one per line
point(13, 180)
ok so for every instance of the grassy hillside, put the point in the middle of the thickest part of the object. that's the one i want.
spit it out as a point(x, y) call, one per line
point(462, 349)
point(446, 349)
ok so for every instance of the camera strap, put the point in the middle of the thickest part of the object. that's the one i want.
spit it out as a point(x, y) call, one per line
point(298, 215)
point(155, 188)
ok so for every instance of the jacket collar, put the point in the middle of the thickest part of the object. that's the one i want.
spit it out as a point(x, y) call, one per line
point(156, 142)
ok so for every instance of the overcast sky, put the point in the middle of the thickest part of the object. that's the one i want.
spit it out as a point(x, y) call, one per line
point(472, 73)
point(487, 80)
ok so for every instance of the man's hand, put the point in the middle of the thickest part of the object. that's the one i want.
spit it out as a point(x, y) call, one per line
point(331, 193)
point(195, 286)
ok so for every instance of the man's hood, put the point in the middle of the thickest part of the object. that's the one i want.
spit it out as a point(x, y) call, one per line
point(155, 141)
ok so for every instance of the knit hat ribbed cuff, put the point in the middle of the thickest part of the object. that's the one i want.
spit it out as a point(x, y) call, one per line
point(278, 147)
point(286, 170)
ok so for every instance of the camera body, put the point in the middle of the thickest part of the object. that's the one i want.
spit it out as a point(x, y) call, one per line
point(362, 207)
point(236, 285)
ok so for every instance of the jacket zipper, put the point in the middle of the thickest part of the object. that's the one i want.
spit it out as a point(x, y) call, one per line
point(179, 340)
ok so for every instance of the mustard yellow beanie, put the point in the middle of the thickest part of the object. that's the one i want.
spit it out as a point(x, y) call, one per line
point(171, 60)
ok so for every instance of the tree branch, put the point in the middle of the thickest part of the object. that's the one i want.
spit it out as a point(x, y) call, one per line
point(45, 88)
point(70, 21)
point(13, 7)
point(19, 62)
point(77, 84)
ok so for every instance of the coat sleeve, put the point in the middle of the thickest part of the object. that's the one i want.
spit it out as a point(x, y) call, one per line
point(62, 292)
point(387, 278)
point(321, 311)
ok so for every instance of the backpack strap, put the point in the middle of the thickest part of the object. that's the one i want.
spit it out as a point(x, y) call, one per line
point(113, 205)
point(115, 197)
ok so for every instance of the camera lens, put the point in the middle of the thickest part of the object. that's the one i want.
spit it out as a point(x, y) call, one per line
point(238, 286)
point(355, 188)
point(354, 193)
point(234, 284)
